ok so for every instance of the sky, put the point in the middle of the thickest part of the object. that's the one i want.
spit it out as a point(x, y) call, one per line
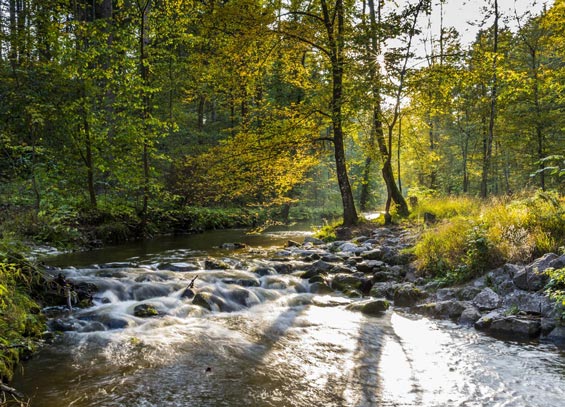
point(459, 13)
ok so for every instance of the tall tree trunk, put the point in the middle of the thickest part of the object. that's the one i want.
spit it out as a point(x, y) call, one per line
point(336, 41)
point(488, 142)
point(393, 192)
point(143, 8)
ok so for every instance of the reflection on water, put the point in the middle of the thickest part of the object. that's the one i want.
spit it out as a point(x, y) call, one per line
point(274, 344)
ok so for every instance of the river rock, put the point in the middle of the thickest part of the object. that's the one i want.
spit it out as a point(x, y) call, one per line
point(487, 299)
point(375, 254)
point(313, 240)
point(383, 290)
point(558, 263)
point(370, 307)
point(407, 294)
point(343, 282)
point(319, 267)
point(516, 326)
point(145, 311)
point(469, 316)
point(353, 293)
point(557, 335)
point(442, 309)
point(263, 271)
point(484, 322)
point(331, 258)
point(445, 294)
point(180, 266)
point(467, 293)
point(533, 276)
point(370, 266)
point(215, 264)
point(244, 282)
point(210, 302)
point(531, 303)
point(320, 287)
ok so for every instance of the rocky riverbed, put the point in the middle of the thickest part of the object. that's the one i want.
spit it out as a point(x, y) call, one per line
point(507, 302)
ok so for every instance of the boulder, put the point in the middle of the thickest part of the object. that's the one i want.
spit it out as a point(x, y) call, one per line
point(531, 303)
point(516, 327)
point(467, 293)
point(445, 294)
point(320, 288)
point(319, 267)
point(375, 254)
point(557, 335)
point(349, 247)
point(145, 311)
point(469, 316)
point(383, 290)
point(487, 300)
point(533, 276)
point(558, 263)
point(210, 302)
point(407, 294)
point(180, 266)
point(313, 240)
point(331, 258)
point(370, 307)
point(442, 309)
point(263, 271)
point(483, 323)
point(215, 264)
point(343, 282)
point(370, 266)
point(292, 243)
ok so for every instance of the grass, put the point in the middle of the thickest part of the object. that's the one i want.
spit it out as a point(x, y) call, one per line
point(471, 236)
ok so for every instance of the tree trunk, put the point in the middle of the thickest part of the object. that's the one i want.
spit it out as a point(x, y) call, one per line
point(336, 42)
point(488, 142)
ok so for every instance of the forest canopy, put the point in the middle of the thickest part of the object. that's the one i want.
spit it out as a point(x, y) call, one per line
point(117, 105)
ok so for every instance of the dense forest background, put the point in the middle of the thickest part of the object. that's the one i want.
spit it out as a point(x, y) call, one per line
point(131, 108)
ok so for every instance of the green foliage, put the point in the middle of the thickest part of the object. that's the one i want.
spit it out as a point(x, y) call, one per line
point(473, 238)
point(444, 208)
point(328, 232)
point(20, 320)
point(555, 288)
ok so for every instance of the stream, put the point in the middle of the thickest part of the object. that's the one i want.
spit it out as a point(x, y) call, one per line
point(267, 341)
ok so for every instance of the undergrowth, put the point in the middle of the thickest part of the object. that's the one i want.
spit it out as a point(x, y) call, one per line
point(20, 320)
point(471, 237)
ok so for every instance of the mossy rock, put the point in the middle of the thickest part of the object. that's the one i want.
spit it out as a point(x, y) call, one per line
point(145, 311)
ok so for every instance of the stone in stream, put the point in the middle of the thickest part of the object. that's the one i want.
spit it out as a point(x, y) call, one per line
point(320, 287)
point(407, 294)
point(370, 307)
point(442, 309)
point(263, 271)
point(375, 254)
point(233, 246)
point(145, 311)
point(371, 266)
point(313, 240)
point(180, 266)
point(215, 264)
point(557, 335)
point(210, 301)
point(469, 316)
point(384, 289)
point(343, 282)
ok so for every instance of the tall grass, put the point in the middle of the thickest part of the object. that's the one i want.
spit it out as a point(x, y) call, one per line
point(472, 236)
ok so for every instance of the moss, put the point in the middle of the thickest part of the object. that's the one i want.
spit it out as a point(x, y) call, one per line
point(20, 320)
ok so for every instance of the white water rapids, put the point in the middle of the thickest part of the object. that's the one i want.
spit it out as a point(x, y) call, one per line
point(271, 342)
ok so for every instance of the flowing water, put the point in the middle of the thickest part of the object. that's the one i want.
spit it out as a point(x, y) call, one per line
point(267, 341)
